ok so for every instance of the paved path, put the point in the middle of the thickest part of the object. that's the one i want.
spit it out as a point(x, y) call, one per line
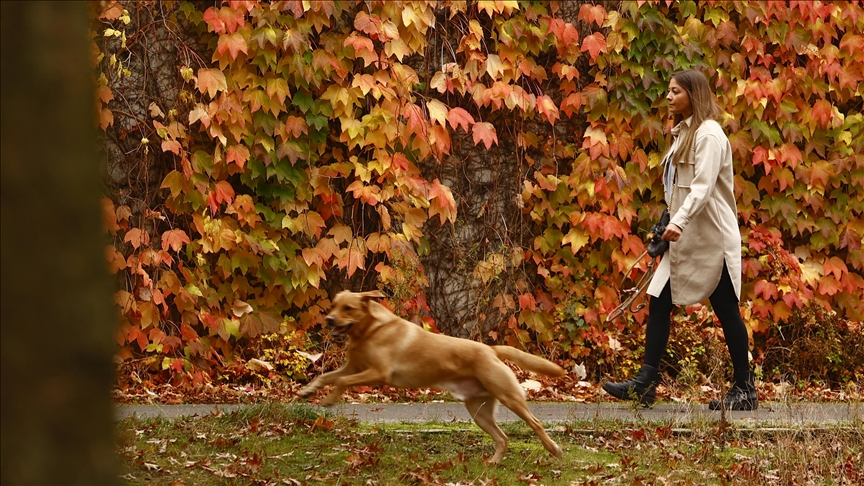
point(769, 414)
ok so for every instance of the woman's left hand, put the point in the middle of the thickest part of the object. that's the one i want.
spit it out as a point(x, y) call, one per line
point(672, 233)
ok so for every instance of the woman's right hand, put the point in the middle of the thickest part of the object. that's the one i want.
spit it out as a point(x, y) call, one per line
point(672, 233)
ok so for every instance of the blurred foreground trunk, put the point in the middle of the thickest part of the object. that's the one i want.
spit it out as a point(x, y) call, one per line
point(57, 414)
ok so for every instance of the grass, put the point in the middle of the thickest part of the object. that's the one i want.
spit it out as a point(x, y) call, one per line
point(295, 445)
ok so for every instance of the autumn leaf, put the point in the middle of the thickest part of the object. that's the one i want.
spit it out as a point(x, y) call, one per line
point(137, 238)
point(594, 44)
point(547, 108)
point(233, 43)
point(596, 142)
point(199, 113)
point(836, 266)
point(592, 13)
point(437, 111)
point(368, 24)
point(238, 154)
point(459, 117)
point(239, 308)
point(211, 81)
point(484, 132)
point(174, 239)
point(106, 118)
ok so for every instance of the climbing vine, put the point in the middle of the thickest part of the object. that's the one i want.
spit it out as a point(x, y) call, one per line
point(296, 148)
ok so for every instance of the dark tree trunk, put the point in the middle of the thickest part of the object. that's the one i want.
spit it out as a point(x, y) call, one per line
point(57, 414)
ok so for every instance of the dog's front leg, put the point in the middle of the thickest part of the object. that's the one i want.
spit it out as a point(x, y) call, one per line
point(369, 376)
point(321, 381)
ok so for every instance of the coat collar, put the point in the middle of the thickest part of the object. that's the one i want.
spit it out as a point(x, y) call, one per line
point(678, 127)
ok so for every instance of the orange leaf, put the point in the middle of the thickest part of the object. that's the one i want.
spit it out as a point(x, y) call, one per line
point(829, 285)
point(106, 118)
point(112, 12)
point(547, 108)
point(782, 311)
point(572, 104)
point(836, 266)
point(368, 24)
point(224, 192)
point(442, 202)
point(459, 117)
point(592, 13)
point(823, 112)
point(136, 237)
point(174, 239)
point(233, 43)
point(594, 44)
point(116, 261)
point(485, 132)
point(238, 154)
point(211, 81)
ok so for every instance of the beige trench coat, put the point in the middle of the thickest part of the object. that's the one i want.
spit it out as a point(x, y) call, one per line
point(703, 206)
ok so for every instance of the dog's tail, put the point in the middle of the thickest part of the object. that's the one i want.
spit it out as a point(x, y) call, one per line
point(528, 361)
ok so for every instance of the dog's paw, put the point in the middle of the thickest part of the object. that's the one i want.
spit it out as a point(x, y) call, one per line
point(329, 400)
point(306, 392)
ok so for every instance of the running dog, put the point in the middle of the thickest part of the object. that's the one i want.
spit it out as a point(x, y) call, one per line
point(384, 349)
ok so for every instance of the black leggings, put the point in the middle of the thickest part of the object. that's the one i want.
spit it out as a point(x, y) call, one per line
point(725, 304)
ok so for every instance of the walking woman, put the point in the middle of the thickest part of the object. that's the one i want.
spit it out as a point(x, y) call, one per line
point(704, 255)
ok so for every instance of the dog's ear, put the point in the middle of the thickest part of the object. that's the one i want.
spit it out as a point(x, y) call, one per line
point(373, 294)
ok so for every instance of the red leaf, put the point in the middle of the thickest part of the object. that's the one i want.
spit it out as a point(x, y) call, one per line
point(459, 117)
point(594, 44)
point(526, 301)
point(485, 132)
point(415, 120)
point(592, 13)
point(766, 289)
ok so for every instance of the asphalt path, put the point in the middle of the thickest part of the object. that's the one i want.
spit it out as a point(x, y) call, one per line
point(770, 414)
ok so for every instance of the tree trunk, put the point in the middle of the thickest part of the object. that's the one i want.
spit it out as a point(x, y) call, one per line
point(57, 413)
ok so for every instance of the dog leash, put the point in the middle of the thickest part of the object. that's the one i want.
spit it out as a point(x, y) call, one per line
point(634, 292)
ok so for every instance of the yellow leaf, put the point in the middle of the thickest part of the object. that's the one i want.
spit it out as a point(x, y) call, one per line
point(437, 111)
point(576, 238)
point(494, 66)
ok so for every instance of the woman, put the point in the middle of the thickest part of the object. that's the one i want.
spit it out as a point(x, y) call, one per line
point(704, 256)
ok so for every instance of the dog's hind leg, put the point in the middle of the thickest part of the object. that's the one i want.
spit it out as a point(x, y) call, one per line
point(501, 382)
point(482, 410)
point(520, 408)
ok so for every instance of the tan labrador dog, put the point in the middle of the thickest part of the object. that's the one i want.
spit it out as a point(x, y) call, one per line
point(384, 349)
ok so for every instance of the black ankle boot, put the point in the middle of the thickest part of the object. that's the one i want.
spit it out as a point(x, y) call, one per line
point(742, 395)
point(640, 388)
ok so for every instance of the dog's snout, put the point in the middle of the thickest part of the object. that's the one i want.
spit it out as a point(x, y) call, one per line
point(330, 320)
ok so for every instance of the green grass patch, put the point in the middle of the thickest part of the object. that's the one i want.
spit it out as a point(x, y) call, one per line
point(298, 445)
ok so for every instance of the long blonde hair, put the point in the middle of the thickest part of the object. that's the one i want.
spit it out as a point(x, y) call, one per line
point(702, 101)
